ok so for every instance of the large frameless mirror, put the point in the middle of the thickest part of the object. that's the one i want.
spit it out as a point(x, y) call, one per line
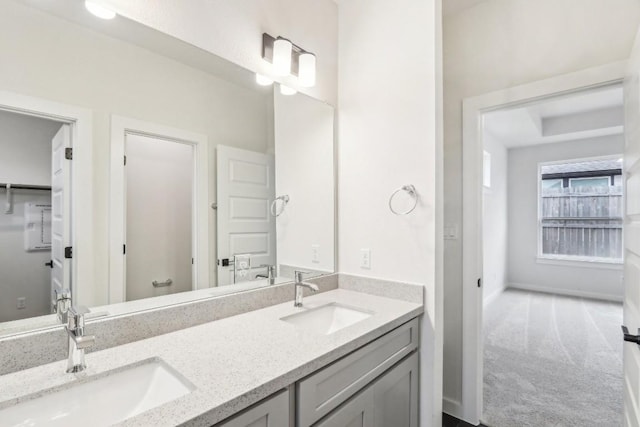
point(140, 171)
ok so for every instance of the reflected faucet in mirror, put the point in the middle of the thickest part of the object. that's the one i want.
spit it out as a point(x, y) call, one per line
point(271, 274)
point(62, 304)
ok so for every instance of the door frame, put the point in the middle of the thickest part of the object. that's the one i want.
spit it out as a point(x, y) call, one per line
point(470, 407)
point(81, 222)
point(120, 128)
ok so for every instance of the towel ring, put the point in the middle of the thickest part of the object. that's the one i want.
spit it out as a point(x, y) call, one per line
point(274, 211)
point(409, 189)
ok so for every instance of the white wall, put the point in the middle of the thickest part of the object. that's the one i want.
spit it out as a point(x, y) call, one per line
point(113, 77)
point(26, 149)
point(25, 159)
point(494, 217)
point(389, 70)
point(159, 186)
point(304, 171)
point(524, 269)
point(233, 30)
point(498, 44)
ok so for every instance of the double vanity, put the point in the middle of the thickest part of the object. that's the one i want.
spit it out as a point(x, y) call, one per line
point(347, 354)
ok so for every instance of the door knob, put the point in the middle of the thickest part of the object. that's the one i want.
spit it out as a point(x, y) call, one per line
point(629, 337)
point(50, 263)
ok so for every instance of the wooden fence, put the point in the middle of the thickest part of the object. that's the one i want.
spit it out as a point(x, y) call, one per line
point(585, 222)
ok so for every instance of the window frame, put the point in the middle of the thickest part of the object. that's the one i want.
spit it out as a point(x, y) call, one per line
point(575, 260)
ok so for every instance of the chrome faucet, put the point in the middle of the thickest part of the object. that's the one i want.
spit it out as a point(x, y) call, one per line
point(299, 284)
point(271, 274)
point(78, 341)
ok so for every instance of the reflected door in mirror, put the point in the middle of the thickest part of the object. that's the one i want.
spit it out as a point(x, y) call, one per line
point(246, 229)
point(159, 217)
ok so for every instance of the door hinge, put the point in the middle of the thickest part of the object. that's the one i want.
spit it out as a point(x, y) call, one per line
point(68, 252)
point(68, 153)
point(479, 282)
point(124, 249)
point(125, 160)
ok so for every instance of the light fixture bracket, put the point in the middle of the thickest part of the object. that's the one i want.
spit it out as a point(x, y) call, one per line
point(267, 52)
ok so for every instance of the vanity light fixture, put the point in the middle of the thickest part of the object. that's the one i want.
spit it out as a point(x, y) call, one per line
point(307, 69)
point(99, 10)
point(289, 59)
point(282, 49)
point(263, 80)
point(286, 90)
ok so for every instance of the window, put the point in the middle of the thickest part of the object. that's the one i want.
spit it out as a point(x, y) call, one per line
point(581, 214)
point(598, 182)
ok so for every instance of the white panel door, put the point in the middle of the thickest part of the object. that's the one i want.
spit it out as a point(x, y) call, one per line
point(60, 211)
point(245, 188)
point(632, 239)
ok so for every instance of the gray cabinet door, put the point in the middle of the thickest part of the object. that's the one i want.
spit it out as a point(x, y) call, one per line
point(395, 395)
point(326, 389)
point(272, 412)
point(391, 401)
point(356, 412)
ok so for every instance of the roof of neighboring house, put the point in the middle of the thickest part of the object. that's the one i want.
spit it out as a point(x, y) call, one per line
point(593, 165)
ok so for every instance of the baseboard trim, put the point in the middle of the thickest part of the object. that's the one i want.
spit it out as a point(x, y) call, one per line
point(567, 292)
point(452, 407)
point(491, 297)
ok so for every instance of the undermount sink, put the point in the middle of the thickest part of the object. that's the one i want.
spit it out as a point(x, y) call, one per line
point(328, 318)
point(103, 401)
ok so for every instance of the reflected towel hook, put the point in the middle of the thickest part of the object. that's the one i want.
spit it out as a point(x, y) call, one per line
point(274, 211)
point(411, 191)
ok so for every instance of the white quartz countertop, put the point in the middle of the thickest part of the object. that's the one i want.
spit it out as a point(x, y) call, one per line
point(233, 362)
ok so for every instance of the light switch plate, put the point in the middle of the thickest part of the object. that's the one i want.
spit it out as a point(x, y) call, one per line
point(315, 254)
point(365, 258)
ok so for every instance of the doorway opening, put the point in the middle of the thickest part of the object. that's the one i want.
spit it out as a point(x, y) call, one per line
point(35, 183)
point(159, 225)
point(551, 260)
point(159, 239)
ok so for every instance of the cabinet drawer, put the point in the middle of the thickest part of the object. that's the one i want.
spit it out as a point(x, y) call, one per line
point(271, 412)
point(325, 390)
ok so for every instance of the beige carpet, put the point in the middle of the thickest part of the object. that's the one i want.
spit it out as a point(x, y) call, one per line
point(552, 361)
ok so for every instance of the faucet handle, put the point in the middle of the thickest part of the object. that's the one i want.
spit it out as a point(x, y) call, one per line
point(76, 316)
point(298, 274)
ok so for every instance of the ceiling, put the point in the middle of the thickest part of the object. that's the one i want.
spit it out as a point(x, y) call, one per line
point(583, 115)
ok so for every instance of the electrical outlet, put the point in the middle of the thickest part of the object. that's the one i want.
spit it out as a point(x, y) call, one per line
point(365, 258)
point(315, 254)
point(22, 303)
point(450, 232)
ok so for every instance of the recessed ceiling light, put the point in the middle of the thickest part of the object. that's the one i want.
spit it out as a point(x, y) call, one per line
point(99, 10)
